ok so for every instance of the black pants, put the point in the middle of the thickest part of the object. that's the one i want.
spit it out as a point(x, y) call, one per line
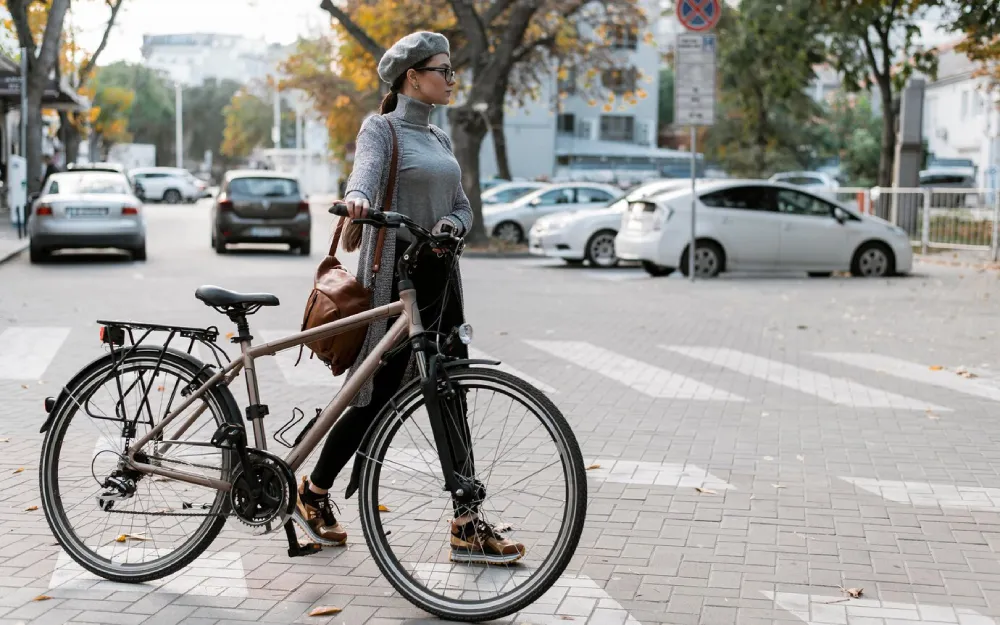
point(429, 278)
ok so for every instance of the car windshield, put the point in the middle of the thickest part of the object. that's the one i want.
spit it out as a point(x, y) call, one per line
point(95, 182)
point(263, 187)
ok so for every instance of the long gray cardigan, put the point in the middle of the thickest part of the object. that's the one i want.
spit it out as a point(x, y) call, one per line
point(370, 176)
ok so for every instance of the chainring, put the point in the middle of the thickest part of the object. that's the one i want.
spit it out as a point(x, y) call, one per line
point(274, 507)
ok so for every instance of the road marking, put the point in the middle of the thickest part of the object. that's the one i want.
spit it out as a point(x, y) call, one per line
point(837, 390)
point(656, 474)
point(933, 495)
point(917, 373)
point(575, 598)
point(830, 610)
point(542, 386)
point(211, 575)
point(309, 372)
point(645, 378)
point(25, 352)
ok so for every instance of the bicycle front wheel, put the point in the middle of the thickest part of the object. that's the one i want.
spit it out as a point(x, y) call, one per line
point(534, 491)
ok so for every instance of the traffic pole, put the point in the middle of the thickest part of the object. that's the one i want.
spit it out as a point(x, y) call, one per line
point(694, 203)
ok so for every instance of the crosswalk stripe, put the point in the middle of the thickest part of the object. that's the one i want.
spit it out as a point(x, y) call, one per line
point(678, 475)
point(837, 390)
point(217, 574)
point(932, 495)
point(25, 352)
point(643, 377)
point(309, 372)
point(827, 609)
point(917, 373)
point(542, 386)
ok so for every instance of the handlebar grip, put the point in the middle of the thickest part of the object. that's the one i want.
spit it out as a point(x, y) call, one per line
point(339, 209)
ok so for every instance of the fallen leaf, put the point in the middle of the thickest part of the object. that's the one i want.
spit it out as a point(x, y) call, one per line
point(707, 491)
point(18, 470)
point(593, 466)
point(567, 618)
point(802, 327)
point(325, 611)
point(853, 592)
point(31, 508)
point(778, 486)
point(160, 388)
point(42, 598)
point(123, 537)
point(800, 458)
point(967, 374)
point(935, 367)
point(4, 440)
point(24, 386)
point(229, 335)
point(382, 508)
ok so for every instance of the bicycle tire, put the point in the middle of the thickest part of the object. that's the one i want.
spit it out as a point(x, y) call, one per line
point(223, 407)
point(407, 401)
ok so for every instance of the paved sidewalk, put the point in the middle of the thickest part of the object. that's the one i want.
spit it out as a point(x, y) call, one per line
point(10, 244)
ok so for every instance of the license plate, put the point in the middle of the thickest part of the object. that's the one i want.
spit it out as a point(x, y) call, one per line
point(265, 232)
point(87, 211)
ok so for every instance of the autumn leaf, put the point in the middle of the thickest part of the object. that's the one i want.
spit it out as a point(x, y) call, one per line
point(382, 508)
point(325, 611)
point(4, 440)
point(936, 367)
point(593, 466)
point(31, 508)
point(18, 470)
point(229, 335)
point(24, 386)
point(778, 486)
point(42, 598)
point(853, 592)
point(707, 491)
point(123, 537)
point(160, 388)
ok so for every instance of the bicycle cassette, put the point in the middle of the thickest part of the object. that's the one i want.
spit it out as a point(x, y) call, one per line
point(276, 493)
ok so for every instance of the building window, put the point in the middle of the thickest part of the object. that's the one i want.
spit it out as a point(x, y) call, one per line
point(619, 80)
point(617, 128)
point(623, 36)
point(566, 123)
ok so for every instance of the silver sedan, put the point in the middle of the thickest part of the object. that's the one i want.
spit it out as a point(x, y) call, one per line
point(81, 209)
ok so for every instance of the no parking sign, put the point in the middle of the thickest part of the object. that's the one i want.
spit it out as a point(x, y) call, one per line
point(699, 15)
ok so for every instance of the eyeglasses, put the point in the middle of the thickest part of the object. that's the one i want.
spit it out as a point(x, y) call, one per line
point(447, 72)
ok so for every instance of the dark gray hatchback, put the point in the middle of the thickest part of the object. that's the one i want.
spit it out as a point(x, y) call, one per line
point(260, 206)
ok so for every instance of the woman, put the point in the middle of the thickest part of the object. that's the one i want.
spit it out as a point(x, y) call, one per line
point(429, 191)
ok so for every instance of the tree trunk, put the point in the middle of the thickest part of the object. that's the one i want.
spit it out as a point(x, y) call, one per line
point(467, 133)
point(33, 149)
point(500, 143)
point(70, 137)
point(883, 207)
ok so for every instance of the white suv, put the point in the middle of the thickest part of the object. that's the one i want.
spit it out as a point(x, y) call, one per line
point(172, 185)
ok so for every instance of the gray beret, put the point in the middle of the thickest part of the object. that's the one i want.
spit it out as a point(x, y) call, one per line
point(409, 51)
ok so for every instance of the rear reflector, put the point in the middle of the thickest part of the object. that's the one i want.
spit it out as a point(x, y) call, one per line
point(43, 209)
point(130, 210)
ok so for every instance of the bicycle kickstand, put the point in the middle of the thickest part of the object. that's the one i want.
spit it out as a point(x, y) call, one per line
point(296, 550)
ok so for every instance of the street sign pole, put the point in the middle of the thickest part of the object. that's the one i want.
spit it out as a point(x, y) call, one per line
point(694, 94)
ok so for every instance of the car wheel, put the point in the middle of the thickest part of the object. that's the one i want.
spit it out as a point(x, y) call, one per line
point(657, 271)
point(873, 260)
point(220, 245)
point(708, 260)
point(139, 253)
point(820, 274)
point(600, 249)
point(509, 232)
point(305, 247)
point(172, 196)
point(37, 255)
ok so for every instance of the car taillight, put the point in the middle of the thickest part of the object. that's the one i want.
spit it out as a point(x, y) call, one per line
point(303, 207)
point(130, 210)
point(43, 209)
point(226, 206)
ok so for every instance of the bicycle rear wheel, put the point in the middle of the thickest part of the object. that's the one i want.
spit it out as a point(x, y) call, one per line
point(164, 524)
point(530, 465)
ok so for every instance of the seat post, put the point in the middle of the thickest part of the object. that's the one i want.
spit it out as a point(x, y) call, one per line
point(255, 411)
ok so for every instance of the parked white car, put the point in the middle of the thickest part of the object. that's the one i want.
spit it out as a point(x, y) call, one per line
point(507, 192)
point(511, 222)
point(760, 226)
point(818, 182)
point(590, 235)
point(172, 185)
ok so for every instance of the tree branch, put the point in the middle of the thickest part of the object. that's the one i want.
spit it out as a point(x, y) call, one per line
point(473, 29)
point(359, 34)
point(53, 30)
point(91, 63)
point(520, 18)
point(528, 48)
point(496, 10)
point(19, 14)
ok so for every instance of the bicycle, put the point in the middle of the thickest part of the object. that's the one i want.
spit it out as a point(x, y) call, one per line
point(218, 474)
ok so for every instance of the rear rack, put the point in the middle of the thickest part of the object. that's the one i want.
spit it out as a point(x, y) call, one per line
point(114, 333)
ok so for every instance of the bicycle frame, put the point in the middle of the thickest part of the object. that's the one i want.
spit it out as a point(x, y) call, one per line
point(407, 323)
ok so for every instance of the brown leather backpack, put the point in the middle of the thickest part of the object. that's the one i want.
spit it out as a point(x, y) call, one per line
point(337, 293)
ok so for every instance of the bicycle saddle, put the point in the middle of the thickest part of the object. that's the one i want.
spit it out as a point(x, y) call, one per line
point(217, 296)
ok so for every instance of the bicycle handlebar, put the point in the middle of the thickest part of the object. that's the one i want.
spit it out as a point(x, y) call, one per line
point(390, 219)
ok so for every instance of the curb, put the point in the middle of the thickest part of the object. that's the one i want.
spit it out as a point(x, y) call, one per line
point(6, 256)
point(966, 264)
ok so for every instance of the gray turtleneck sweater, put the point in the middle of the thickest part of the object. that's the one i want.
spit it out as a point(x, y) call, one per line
point(428, 188)
point(429, 179)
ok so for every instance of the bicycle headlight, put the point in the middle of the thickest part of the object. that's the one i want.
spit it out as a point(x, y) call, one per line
point(465, 333)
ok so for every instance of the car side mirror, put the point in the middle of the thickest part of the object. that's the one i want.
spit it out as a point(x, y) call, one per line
point(536, 202)
point(839, 215)
point(32, 197)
